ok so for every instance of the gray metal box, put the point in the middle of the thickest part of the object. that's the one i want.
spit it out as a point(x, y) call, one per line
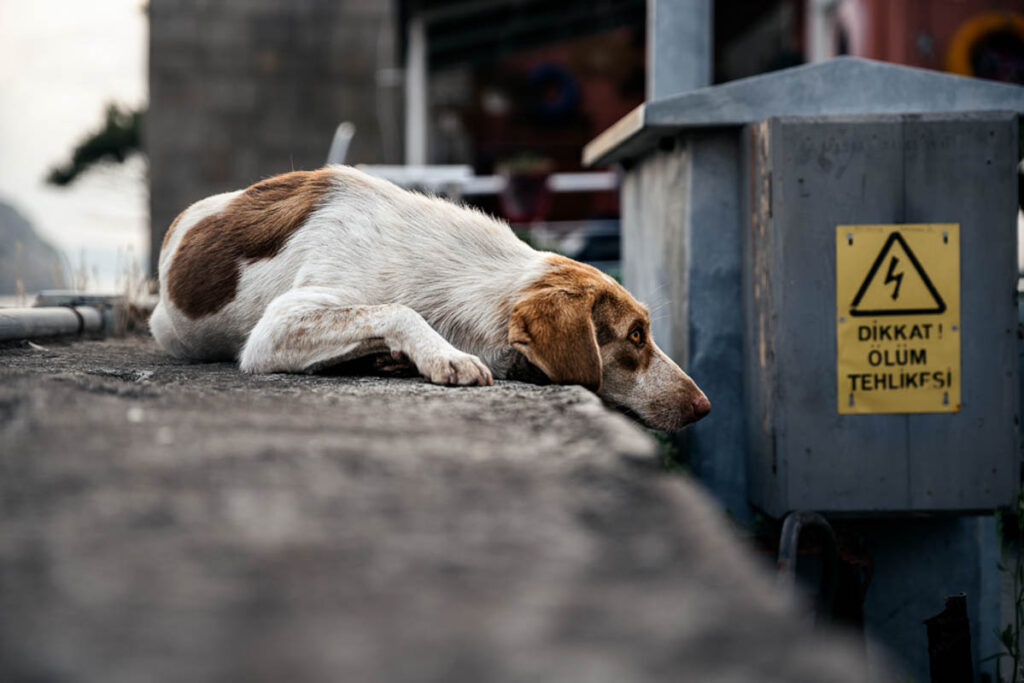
point(808, 175)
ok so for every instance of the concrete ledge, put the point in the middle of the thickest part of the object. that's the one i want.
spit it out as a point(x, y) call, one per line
point(168, 521)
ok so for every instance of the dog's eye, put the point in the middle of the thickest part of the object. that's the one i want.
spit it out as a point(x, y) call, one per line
point(636, 336)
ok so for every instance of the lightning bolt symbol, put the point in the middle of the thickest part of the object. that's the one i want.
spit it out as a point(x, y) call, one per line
point(894, 277)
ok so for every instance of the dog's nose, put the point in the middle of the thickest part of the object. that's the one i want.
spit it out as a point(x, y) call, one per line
point(701, 407)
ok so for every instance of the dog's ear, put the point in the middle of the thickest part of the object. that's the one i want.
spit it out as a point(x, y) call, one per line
point(554, 329)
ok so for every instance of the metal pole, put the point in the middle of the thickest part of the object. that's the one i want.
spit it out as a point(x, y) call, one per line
point(679, 46)
point(416, 93)
point(31, 323)
point(820, 25)
point(339, 145)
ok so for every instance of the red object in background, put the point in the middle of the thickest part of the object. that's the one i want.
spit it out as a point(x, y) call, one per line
point(546, 103)
point(946, 36)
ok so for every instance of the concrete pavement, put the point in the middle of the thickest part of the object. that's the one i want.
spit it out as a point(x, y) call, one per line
point(168, 521)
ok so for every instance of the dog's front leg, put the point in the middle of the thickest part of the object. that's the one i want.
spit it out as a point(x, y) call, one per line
point(310, 328)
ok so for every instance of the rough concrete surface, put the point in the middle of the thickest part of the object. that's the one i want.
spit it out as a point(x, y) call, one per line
point(168, 521)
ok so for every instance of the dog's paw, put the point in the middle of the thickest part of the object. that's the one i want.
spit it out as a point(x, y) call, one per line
point(455, 368)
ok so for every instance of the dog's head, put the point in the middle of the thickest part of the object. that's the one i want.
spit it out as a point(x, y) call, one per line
point(579, 326)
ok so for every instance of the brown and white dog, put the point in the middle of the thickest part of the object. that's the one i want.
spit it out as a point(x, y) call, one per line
point(310, 269)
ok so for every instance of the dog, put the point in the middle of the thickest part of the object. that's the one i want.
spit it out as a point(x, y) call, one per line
point(314, 268)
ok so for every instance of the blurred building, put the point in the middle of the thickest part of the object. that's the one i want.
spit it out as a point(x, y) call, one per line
point(518, 88)
point(244, 89)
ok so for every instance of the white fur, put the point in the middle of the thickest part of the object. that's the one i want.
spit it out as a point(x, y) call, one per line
point(392, 270)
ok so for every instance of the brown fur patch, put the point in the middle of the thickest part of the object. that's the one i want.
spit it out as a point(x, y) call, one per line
point(566, 315)
point(203, 277)
point(605, 332)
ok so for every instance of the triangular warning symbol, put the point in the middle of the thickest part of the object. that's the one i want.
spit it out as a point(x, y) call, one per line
point(897, 284)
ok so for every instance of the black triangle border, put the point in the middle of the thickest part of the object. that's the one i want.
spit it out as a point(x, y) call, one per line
point(897, 237)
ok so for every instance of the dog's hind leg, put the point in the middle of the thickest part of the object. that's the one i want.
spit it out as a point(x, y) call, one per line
point(309, 328)
point(163, 331)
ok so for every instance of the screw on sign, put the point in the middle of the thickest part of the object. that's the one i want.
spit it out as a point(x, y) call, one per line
point(898, 318)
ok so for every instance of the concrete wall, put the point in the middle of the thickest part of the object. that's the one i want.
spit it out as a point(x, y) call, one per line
point(244, 89)
point(681, 236)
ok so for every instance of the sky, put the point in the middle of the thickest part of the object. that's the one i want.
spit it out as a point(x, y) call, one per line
point(61, 61)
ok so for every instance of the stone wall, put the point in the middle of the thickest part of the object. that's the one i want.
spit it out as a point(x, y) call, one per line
point(244, 89)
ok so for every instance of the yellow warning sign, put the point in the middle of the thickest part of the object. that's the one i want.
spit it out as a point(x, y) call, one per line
point(898, 318)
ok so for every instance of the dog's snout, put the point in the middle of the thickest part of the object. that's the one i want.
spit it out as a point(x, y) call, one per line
point(701, 407)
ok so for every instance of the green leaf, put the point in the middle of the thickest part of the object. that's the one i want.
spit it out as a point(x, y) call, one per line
point(119, 137)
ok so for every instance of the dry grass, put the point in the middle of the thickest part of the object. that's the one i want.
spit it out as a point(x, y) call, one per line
point(19, 280)
point(136, 289)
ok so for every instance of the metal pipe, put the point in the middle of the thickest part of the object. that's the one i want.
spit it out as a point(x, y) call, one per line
point(416, 92)
point(679, 46)
point(339, 145)
point(439, 178)
point(30, 323)
point(789, 545)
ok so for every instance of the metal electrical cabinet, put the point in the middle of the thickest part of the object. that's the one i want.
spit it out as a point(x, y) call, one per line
point(819, 186)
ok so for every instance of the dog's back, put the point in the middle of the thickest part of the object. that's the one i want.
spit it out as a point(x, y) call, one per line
point(225, 258)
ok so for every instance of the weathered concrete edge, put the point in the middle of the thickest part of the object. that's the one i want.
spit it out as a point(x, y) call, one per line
point(623, 437)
